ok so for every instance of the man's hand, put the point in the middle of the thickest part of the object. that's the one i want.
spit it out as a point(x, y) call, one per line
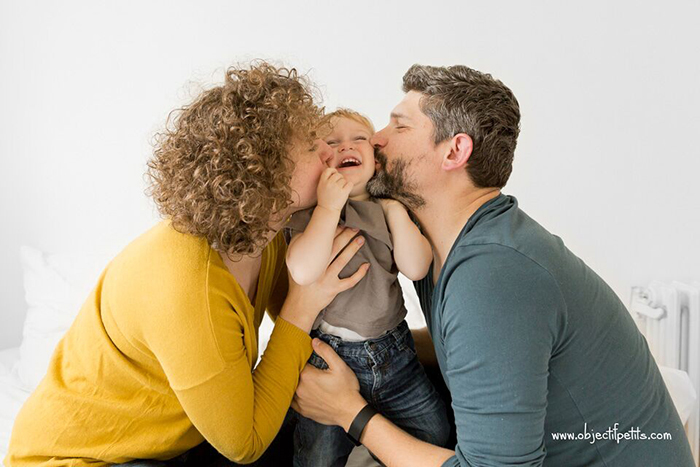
point(333, 190)
point(332, 396)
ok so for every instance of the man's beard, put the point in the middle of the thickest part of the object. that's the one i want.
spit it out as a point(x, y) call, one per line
point(394, 183)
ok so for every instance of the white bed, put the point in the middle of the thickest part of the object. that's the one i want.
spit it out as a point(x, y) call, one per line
point(12, 395)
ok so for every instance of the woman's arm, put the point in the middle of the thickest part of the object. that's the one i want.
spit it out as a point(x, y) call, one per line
point(412, 252)
point(238, 409)
point(309, 252)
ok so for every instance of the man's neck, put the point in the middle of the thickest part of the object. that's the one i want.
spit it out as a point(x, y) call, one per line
point(443, 218)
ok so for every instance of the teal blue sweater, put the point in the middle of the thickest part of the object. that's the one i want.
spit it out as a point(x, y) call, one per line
point(532, 343)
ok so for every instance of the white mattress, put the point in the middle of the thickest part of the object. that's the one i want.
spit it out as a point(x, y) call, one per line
point(12, 396)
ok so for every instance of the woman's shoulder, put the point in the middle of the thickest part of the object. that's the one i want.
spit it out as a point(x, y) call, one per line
point(162, 253)
point(163, 239)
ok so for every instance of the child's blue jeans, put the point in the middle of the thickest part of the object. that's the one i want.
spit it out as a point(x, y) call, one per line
point(392, 380)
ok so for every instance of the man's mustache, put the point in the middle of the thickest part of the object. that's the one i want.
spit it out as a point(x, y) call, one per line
point(380, 157)
point(385, 184)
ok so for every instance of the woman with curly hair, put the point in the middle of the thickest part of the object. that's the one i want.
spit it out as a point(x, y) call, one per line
point(161, 357)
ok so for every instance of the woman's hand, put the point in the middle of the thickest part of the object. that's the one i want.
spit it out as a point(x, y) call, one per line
point(304, 303)
point(331, 396)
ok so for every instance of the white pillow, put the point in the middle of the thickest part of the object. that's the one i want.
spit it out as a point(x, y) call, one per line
point(55, 287)
point(681, 389)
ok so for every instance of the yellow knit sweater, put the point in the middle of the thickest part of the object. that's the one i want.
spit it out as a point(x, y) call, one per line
point(160, 357)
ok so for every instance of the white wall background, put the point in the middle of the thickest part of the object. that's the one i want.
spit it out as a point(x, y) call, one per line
point(608, 156)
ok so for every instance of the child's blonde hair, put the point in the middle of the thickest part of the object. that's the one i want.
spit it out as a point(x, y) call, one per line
point(346, 113)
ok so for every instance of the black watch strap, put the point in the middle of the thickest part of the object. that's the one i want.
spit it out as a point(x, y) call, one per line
point(359, 423)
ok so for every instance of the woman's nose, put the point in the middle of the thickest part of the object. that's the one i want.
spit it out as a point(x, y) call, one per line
point(325, 153)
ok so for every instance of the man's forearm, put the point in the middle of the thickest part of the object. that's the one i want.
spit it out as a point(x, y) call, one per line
point(395, 447)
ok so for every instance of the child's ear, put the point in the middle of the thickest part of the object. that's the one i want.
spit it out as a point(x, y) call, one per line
point(457, 152)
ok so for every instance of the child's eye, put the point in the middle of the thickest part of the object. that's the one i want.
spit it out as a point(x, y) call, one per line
point(331, 142)
point(361, 138)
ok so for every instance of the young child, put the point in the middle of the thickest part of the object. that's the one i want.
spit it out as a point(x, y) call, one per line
point(365, 325)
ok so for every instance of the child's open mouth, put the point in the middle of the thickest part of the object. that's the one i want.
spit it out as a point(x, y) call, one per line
point(349, 162)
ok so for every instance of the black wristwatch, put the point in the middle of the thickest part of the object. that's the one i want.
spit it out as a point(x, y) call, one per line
point(359, 423)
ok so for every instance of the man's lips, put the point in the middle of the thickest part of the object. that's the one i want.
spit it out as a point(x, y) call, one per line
point(379, 159)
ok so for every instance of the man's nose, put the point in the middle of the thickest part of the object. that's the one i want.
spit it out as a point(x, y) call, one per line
point(378, 140)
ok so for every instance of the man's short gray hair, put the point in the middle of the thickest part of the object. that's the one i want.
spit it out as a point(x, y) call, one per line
point(458, 99)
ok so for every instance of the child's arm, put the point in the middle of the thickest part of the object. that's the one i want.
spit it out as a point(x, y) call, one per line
point(412, 252)
point(309, 252)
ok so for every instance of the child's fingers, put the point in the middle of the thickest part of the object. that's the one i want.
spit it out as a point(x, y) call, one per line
point(338, 178)
point(328, 173)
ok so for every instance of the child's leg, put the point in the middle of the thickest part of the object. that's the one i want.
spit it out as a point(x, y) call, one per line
point(406, 396)
point(316, 444)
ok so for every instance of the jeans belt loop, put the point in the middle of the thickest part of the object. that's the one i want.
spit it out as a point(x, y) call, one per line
point(399, 338)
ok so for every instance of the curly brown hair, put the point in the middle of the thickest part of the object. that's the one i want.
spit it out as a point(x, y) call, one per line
point(221, 168)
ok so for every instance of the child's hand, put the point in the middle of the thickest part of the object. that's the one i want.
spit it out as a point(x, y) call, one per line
point(390, 205)
point(333, 190)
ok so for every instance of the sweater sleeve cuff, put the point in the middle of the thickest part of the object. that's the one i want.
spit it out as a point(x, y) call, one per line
point(291, 339)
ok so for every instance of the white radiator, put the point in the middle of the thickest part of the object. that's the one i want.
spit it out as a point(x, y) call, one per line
point(668, 314)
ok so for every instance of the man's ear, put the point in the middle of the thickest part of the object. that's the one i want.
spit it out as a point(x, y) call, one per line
point(457, 152)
